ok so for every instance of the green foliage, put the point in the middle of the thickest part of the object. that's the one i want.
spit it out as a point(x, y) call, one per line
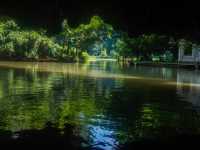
point(155, 58)
point(168, 56)
point(26, 44)
point(11, 25)
point(188, 48)
point(93, 37)
point(137, 59)
point(123, 48)
point(96, 38)
point(84, 56)
point(7, 49)
point(103, 52)
point(152, 47)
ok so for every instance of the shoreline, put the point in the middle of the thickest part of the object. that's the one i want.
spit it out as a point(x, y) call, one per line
point(185, 65)
point(37, 60)
point(55, 60)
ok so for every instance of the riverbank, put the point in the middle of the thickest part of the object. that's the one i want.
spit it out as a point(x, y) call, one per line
point(93, 58)
point(47, 59)
point(186, 65)
point(69, 60)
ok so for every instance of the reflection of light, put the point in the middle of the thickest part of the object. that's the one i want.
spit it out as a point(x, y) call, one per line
point(183, 84)
point(102, 132)
point(102, 138)
point(80, 70)
point(188, 86)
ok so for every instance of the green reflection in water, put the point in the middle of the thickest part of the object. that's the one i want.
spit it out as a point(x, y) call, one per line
point(106, 102)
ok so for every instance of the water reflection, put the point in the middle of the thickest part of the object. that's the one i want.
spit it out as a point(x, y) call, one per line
point(189, 93)
point(106, 103)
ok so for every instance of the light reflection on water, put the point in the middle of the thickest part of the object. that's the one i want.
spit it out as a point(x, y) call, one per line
point(111, 104)
point(94, 70)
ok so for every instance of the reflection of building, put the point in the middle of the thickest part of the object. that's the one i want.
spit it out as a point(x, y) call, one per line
point(190, 89)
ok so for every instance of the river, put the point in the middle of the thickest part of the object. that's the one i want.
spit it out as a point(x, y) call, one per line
point(106, 103)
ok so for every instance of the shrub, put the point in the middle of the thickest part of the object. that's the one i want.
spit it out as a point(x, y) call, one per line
point(155, 58)
point(168, 56)
point(7, 50)
point(84, 56)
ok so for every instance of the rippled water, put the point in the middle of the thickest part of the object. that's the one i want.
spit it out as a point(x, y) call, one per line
point(109, 104)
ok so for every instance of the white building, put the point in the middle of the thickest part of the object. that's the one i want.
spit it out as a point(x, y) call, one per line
point(193, 57)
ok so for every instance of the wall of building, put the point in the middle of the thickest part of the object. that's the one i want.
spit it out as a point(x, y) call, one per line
point(194, 57)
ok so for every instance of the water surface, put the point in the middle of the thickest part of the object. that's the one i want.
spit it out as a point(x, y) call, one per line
point(108, 104)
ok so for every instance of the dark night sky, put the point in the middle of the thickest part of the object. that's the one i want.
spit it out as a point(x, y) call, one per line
point(136, 16)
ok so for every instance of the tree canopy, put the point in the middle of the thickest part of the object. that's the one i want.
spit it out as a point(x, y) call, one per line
point(95, 38)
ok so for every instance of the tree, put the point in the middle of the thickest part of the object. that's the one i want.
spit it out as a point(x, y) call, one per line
point(93, 35)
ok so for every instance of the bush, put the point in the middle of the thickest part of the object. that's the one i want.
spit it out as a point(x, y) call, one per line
point(84, 56)
point(155, 58)
point(137, 59)
point(168, 56)
point(27, 44)
point(7, 50)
